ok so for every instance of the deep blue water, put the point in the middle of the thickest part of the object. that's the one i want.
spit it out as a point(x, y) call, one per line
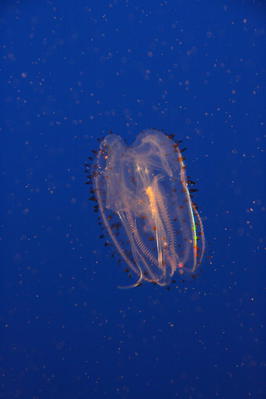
point(71, 71)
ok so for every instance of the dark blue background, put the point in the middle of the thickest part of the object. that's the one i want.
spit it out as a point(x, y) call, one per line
point(70, 72)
